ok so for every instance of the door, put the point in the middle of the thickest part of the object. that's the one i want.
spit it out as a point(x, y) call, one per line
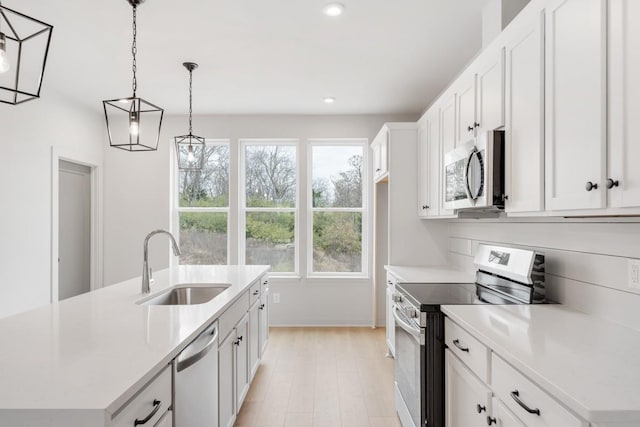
point(424, 170)
point(226, 369)
point(623, 180)
point(242, 361)
point(490, 91)
point(264, 321)
point(524, 136)
point(74, 244)
point(575, 104)
point(467, 398)
point(435, 163)
point(466, 108)
point(254, 338)
point(448, 143)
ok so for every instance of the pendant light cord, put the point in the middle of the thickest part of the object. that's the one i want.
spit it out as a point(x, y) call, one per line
point(134, 51)
point(190, 102)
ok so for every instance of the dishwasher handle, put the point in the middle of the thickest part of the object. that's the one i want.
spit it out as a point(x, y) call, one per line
point(183, 364)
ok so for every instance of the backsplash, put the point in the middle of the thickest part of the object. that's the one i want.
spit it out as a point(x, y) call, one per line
point(586, 261)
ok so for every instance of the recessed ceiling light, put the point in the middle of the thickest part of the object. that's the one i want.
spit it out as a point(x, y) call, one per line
point(333, 9)
point(329, 100)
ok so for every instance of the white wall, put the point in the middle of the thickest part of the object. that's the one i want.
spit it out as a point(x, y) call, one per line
point(27, 134)
point(137, 200)
point(586, 260)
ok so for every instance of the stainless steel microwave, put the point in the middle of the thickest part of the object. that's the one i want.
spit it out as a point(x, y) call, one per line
point(474, 174)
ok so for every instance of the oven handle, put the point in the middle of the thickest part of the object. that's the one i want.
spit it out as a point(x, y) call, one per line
point(405, 325)
point(467, 188)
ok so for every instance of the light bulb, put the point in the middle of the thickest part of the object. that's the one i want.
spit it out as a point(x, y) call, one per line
point(4, 61)
point(134, 127)
point(190, 157)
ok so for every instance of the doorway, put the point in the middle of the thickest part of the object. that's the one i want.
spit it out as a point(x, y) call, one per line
point(74, 229)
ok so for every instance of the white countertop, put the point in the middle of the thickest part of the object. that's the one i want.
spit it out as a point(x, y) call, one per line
point(439, 274)
point(92, 352)
point(592, 366)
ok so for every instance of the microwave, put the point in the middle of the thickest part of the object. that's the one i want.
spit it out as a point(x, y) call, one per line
point(474, 174)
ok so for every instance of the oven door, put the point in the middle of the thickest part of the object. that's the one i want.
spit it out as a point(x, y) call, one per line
point(409, 338)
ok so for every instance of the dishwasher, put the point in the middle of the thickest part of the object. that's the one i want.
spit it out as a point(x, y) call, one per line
point(196, 381)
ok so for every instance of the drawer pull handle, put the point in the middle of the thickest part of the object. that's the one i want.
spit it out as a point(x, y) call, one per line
point(261, 306)
point(515, 395)
point(491, 420)
point(256, 292)
point(156, 408)
point(456, 342)
point(480, 408)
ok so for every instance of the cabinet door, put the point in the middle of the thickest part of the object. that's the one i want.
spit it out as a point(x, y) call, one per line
point(448, 143)
point(435, 163)
point(490, 91)
point(466, 108)
point(377, 160)
point(624, 102)
point(254, 338)
point(575, 104)
point(424, 200)
point(242, 361)
point(467, 398)
point(391, 324)
point(503, 417)
point(226, 374)
point(264, 321)
point(166, 420)
point(524, 157)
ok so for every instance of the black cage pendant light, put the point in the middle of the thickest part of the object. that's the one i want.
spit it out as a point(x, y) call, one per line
point(24, 47)
point(190, 148)
point(133, 123)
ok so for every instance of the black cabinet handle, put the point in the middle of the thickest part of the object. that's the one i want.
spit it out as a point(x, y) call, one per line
point(476, 125)
point(461, 348)
point(156, 408)
point(256, 292)
point(240, 338)
point(425, 207)
point(470, 128)
point(491, 420)
point(480, 408)
point(261, 306)
point(378, 170)
point(611, 183)
point(590, 186)
point(515, 395)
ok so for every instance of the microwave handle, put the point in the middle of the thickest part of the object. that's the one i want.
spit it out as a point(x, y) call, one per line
point(467, 189)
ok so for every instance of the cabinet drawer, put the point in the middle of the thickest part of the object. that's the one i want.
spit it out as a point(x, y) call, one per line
point(467, 348)
point(264, 283)
point(509, 385)
point(232, 316)
point(254, 293)
point(391, 280)
point(152, 401)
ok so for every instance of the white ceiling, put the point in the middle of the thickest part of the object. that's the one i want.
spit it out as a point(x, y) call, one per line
point(259, 56)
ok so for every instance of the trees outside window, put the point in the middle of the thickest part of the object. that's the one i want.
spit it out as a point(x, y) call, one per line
point(270, 204)
point(203, 208)
point(337, 208)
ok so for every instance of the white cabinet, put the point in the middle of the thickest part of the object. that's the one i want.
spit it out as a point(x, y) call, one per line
point(226, 369)
point(150, 405)
point(624, 104)
point(380, 148)
point(254, 338)
point(575, 102)
point(524, 145)
point(501, 416)
point(242, 361)
point(465, 110)
point(424, 170)
point(391, 324)
point(263, 320)
point(490, 91)
point(468, 400)
point(447, 143)
point(166, 420)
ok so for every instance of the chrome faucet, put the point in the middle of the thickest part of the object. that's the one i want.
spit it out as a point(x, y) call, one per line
point(146, 272)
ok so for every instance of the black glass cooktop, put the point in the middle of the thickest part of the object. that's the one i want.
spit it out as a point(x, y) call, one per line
point(430, 296)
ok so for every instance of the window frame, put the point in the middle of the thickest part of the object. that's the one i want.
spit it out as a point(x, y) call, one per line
point(364, 209)
point(242, 202)
point(175, 197)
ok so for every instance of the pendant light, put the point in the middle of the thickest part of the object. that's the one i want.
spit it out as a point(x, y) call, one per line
point(133, 123)
point(24, 47)
point(190, 148)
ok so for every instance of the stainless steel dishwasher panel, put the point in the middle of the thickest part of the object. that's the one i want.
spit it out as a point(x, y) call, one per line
point(196, 381)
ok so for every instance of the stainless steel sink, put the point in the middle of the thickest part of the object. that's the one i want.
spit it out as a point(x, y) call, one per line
point(187, 295)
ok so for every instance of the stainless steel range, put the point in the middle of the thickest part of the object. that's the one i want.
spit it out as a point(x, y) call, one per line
point(504, 276)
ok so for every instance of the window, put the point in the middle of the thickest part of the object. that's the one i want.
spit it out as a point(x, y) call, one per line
point(203, 208)
point(270, 199)
point(337, 212)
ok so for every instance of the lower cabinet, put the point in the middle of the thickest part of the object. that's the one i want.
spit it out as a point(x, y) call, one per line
point(468, 400)
point(226, 367)
point(263, 321)
point(254, 338)
point(502, 417)
point(166, 420)
point(242, 360)
point(391, 323)
point(150, 406)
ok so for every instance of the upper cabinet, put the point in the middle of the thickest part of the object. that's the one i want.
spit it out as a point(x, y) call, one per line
point(576, 102)
point(380, 148)
point(623, 179)
point(524, 106)
point(465, 108)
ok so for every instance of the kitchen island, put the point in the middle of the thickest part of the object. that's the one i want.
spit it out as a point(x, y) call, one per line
point(77, 362)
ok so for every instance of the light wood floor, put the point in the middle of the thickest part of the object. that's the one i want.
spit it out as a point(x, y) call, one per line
point(322, 377)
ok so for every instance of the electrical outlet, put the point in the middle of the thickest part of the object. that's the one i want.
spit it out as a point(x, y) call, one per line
point(633, 271)
point(276, 298)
